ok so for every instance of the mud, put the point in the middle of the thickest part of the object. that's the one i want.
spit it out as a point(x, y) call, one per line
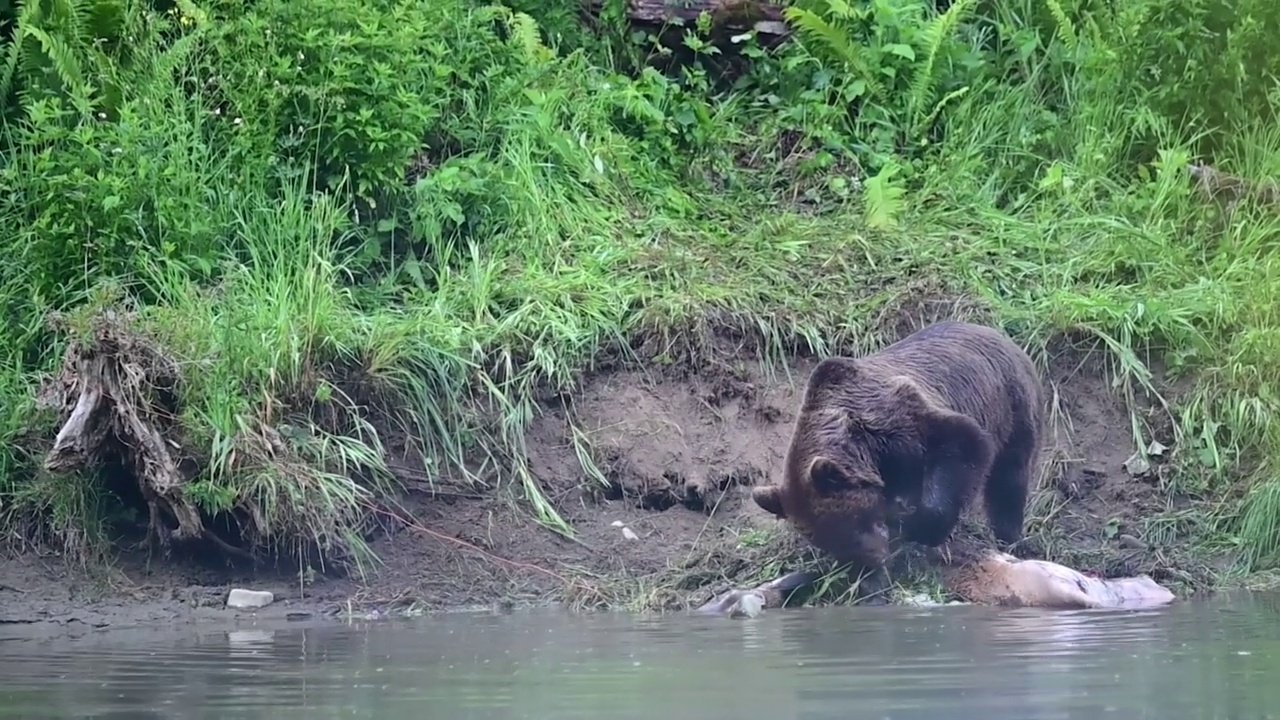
point(680, 451)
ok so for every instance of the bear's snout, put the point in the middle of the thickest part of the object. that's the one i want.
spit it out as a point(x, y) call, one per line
point(856, 541)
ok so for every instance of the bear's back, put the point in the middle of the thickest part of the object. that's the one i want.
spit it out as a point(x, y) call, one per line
point(972, 369)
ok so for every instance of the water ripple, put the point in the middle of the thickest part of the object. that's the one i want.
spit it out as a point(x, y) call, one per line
point(1190, 660)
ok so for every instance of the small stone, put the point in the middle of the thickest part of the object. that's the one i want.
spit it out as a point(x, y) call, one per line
point(629, 534)
point(616, 523)
point(1130, 542)
point(1137, 465)
point(239, 599)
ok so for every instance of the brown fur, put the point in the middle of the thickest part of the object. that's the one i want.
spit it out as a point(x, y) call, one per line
point(930, 419)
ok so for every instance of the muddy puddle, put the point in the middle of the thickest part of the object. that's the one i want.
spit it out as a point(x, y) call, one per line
point(1213, 659)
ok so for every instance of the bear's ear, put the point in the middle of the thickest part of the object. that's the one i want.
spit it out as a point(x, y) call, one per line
point(827, 477)
point(770, 500)
point(834, 371)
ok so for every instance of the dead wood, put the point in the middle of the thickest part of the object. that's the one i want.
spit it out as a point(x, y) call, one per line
point(1215, 184)
point(734, 15)
point(116, 389)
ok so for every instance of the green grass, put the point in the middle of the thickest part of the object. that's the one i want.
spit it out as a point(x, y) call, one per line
point(569, 210)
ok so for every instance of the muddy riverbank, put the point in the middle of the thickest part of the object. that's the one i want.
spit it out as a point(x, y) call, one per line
point(676, 525)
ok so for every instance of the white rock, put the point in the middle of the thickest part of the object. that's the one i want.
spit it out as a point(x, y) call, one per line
point(616, 523)
point(1137, 465)
point(249, 599)
point(629, 534)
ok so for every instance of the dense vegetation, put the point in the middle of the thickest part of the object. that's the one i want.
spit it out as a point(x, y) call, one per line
point(288, 210)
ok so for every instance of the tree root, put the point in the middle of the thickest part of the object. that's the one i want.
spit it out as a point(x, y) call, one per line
point(116, 389)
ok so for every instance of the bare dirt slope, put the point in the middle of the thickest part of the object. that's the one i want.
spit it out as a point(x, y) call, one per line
point(681, 451)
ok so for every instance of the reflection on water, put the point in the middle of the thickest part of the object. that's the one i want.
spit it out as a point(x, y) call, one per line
point(1192, 660)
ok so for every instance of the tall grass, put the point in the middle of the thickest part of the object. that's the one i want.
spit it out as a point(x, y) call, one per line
point(237, 172)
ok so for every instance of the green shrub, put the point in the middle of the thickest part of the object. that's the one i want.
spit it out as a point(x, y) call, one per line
point(99, 195)
point(353, 89)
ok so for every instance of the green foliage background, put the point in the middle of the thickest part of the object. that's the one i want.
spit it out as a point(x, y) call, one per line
point(466, 201)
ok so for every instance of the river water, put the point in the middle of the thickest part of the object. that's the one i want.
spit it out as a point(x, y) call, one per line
point(1214, 659)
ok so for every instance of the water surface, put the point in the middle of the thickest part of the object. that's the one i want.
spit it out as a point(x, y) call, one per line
point(1191, 660)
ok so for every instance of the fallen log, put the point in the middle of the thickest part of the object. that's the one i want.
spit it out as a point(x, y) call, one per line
point(765, 18)
point(993, 578)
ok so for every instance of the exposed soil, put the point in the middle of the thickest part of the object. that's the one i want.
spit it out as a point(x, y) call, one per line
point(681, 451)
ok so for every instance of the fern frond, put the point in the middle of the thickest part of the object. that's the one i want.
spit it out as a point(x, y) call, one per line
point(178, 55)
point(1066, 29)
point(524, 30)
point(935, 33)
point(837, 40)
point(841, 9)
point(12, 56)
point(64, 30)
point(61, 55)
point(882, 199)
point(28, 16)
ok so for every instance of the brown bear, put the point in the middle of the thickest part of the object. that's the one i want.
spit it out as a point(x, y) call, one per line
point(926, 420)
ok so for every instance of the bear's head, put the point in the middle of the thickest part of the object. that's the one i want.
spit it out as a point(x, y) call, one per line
point(857, 426)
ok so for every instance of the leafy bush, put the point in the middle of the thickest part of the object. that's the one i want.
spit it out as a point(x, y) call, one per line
point(354, 88)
